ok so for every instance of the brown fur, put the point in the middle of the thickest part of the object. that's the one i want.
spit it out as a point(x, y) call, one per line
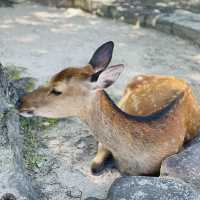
point(79, 73)
point(146, 94)
point(137, 146)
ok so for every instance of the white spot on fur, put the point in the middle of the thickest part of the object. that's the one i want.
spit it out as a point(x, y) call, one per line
point(139, 78)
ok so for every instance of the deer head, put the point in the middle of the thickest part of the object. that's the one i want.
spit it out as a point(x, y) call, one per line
point(68, 92)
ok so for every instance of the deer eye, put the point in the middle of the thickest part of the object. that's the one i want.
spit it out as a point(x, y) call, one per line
point(55, 92)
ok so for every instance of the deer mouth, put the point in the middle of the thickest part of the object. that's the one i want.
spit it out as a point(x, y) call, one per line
point(27, 113)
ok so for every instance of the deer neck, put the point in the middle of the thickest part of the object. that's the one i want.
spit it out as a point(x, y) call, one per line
point(104, 118)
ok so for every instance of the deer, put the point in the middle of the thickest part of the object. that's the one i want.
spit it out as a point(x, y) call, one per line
point(154, 118)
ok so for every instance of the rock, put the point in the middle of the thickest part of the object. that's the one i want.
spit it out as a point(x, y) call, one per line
point(57, 3)
point(7, 3)
point(91, 198)
point(19, 1)
point(146, 188)
point(4, 91)
point(23, 85)
point(182, 23)
point(169, 18)
point(8, 196)
point(185, 165)
point(14, 181)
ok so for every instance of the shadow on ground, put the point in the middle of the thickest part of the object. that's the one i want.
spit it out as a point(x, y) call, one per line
point(6, 3)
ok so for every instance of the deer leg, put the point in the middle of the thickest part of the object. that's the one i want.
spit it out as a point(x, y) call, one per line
point(101, 157)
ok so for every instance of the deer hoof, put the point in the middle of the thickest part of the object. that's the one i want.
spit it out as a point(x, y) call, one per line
point(96, 168)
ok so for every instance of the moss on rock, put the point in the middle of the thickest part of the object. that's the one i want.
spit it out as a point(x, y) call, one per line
point(31, 127)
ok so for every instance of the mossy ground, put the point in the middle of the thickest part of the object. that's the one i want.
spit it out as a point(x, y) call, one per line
point(31, 126)
point(14, 71)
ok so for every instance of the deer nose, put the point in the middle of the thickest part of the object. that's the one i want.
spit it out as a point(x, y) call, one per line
point(18, 104)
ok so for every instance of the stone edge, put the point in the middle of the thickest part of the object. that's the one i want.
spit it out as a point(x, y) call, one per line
point(180, 23)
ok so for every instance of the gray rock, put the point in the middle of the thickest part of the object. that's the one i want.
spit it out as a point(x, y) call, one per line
point(147, 188)
point(14, 181)
point(4, 91)
point(22, 85)
point(19, 1)
point(181, 23)
point(57, 3)
point(158, 15)
point(185, 165)
point(194, 141)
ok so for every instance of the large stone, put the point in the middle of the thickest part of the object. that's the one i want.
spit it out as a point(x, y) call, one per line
point(147, 188)
point(183, 24)
point(164, 17)
point(57, 3)
point(185, 165)
point(14, 181)
point(4, 91)
point(19, 1)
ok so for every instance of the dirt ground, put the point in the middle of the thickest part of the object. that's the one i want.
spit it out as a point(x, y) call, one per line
point(45, 40)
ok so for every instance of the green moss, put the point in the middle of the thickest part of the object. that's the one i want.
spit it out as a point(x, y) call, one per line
point(31, 127)
point(1, 116)
point(15, 72)
point(48, 122)
point(31, 143)
point(30, 85)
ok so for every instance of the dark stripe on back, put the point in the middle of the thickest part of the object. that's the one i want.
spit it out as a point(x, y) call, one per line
point(147, 118)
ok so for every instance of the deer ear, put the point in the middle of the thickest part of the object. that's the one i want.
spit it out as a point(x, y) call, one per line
point(102, 56)
point(108, 77)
